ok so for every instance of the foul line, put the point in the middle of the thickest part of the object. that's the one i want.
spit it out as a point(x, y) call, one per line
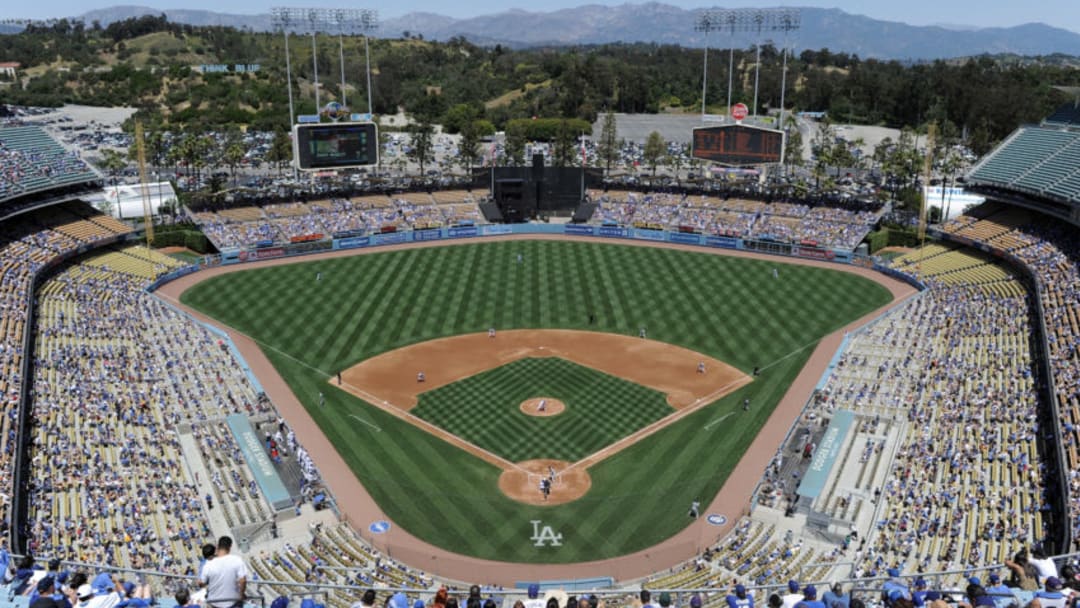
point(377, 429)
point(718, 420)
point(614, 448)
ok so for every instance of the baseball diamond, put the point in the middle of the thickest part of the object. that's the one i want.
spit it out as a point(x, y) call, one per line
point(371, 304)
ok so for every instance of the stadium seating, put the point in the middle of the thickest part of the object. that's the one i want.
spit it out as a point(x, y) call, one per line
point(1051, 250)
point(279, 223)
point(31, 161)
point(785, 222)
point(1041, 159)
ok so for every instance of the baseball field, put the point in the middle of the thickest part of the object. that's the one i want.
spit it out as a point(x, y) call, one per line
point(636, 420)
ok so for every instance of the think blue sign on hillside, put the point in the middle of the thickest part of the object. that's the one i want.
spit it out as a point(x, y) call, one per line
point(825, 454)
point(259, 461)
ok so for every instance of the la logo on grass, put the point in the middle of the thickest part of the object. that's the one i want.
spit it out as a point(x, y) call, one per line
point(544, 535)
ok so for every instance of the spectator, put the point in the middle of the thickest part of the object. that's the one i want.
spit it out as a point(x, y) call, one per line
point(225, 577)
point(835, 597)
point(183, 599)
point(810, 598)
point(739, 599)
point(534, 600)
point(793, 596)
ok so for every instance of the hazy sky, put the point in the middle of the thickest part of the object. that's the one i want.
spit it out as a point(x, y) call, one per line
point(1061, 13)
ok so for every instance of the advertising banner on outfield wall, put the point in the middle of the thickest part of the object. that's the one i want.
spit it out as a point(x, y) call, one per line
point(648, 235)
point(813, 253)
point(352, 242)
point(494, 229)
point(725, 242)
point(462, 232)
point(390, 238)
point(684, 238)
point(428, 235)
point(262, 254)
point(612, 231)
point(578, 229)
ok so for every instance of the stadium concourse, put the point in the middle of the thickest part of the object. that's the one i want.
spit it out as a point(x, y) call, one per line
point(131, 464)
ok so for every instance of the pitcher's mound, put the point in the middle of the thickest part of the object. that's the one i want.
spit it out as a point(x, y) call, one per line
point(523, 483)
point(552, 407)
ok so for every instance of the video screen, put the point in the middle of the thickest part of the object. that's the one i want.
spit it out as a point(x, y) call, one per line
point(336, 146)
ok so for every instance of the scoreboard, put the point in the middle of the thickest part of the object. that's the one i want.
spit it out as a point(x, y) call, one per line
point(738, 145)
point(342, 145)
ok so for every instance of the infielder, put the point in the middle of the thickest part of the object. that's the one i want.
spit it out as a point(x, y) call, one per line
point(701, 367)
point(420, 376)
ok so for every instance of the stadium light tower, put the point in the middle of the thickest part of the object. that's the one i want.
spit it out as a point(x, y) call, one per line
point(757, 21)
point(347, 21)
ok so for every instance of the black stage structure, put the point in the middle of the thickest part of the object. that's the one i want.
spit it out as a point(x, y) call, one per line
point(525, 193)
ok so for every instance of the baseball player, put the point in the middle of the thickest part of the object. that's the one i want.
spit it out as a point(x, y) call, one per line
point(420, 376)
point(695, 510)
point(491, 332)
point(542, 407)
point(318, 276)
point(701, 367)
point(746, 404)
point(775, 273)
point(551, 472)
point(641, 332)
point(322, 399)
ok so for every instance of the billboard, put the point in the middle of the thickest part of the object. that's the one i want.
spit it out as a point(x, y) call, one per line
point(342, 145)
point(738, 145)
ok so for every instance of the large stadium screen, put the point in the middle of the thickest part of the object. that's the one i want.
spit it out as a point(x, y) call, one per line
point(335, 146)
point(738, 145)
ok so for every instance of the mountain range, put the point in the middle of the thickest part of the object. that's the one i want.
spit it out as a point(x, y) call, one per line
point(655, 22)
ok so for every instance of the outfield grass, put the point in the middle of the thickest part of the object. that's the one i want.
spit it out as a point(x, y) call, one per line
point(728, 308)
point(600, 409)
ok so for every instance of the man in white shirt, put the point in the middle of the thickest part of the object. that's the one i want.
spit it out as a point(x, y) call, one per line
point(1043, 564)
point(225, 577)
point(793, 596)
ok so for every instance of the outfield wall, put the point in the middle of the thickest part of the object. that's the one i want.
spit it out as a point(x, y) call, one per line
point(253, 254)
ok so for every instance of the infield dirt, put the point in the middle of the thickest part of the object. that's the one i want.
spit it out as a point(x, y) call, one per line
point(392, 376)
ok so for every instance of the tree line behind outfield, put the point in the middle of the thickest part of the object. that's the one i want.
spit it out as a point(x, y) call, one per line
point(148, 62)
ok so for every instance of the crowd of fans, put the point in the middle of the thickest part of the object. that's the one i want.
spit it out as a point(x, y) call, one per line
point(778, 221)
point(30, 160)
point(1051, 250)
point(290, 222)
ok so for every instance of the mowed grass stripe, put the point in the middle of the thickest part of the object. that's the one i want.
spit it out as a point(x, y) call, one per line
point(727, 308)
point(485, 409)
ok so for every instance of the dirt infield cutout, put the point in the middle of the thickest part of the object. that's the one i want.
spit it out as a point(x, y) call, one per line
point(690, 380)
point(542, 407)
point(523, 483)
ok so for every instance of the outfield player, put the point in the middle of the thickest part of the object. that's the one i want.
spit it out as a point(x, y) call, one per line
point(746, 404)
point(775, 273)
point(322, 399)
point(318, 276)
point(695, 510)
